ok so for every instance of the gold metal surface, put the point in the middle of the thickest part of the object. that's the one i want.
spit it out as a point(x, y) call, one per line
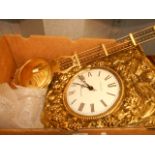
point(77, 60)
point(137, 108)
point(132, 39)
point(105, 50)
point(34, 73)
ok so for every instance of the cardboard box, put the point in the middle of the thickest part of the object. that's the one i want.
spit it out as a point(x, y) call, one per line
point(15, 50)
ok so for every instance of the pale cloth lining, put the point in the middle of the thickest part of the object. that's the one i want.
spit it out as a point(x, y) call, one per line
point(21, 107)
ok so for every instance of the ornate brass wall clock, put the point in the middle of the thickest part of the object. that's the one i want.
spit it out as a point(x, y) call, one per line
point(107, 86)
point(93, 93)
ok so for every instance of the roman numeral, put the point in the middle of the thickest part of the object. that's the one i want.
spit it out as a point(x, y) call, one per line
point(81, 77)
point(73, 101)
point(103, 103)
point(81, 107)
point(99, 73)
point(107, 77)
point(71, 92)
point(92, 107)
point(112, 85)
point(111, 94)
point(89, 74)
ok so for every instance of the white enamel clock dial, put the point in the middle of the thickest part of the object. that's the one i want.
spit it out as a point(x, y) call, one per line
point(93, 93)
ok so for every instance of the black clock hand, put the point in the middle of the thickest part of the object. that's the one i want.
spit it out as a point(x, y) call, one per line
point(80, 85)
point(83, 80)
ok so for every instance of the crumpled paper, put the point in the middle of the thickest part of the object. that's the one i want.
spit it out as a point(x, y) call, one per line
point(21, 107)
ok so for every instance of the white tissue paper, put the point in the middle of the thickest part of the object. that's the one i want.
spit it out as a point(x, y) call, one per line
point(21, 107)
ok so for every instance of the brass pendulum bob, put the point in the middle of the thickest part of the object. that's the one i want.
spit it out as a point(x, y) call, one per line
point(34, 73)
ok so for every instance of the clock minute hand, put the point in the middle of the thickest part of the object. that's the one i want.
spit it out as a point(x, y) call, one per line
point(80, 85)
point(87, 85)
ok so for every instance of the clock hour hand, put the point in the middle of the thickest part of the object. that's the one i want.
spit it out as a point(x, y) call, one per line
point(80, 85)
point(87, 85)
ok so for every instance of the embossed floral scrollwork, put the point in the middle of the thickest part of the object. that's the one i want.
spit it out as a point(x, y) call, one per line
point(137, 108)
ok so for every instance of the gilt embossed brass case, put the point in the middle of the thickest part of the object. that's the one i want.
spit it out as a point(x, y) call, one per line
point(137, 106)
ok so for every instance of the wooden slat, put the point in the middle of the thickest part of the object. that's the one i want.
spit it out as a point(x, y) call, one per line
point(106, 131)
